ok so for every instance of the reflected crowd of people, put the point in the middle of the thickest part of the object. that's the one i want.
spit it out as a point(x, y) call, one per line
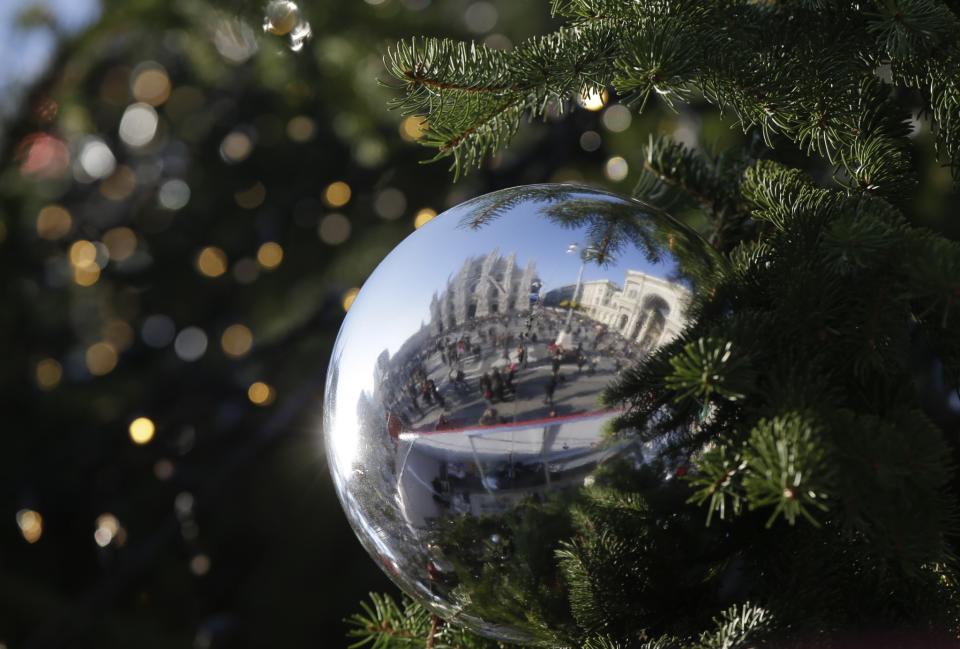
point(504, 368)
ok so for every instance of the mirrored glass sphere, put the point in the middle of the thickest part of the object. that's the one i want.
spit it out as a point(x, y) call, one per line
point(463, 412)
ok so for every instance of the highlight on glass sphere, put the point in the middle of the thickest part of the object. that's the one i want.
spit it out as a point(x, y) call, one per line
point(464, 413)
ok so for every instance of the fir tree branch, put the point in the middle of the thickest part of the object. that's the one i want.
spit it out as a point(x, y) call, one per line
point(786, 469)
point(717, 482)
point(708, 368)
point(386, 624)
point(383, 624)
point(678, 50)
point(475, 96)
point(738, 628)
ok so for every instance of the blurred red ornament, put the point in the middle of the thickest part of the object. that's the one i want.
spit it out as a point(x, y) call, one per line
point(43, 156)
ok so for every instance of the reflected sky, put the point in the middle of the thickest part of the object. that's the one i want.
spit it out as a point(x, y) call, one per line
point(26, 52)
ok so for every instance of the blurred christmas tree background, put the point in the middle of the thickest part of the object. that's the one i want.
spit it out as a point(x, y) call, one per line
point(187, 205)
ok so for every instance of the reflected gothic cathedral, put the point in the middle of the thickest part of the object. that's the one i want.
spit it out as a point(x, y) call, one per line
point(483, 286)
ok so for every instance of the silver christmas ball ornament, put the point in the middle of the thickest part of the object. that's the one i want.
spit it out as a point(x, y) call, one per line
point(463, 415)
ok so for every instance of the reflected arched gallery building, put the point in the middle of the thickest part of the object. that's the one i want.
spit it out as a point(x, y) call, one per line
point(647, 310)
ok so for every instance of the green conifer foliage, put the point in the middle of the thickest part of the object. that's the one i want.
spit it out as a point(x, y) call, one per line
point(820, 485)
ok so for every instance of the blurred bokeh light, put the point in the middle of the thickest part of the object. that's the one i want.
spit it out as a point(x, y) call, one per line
point(191, 195)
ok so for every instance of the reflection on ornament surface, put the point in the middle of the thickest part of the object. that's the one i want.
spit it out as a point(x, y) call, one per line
point(463, 415)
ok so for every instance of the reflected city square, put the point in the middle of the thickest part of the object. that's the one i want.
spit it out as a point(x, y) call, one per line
point(464, 405)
